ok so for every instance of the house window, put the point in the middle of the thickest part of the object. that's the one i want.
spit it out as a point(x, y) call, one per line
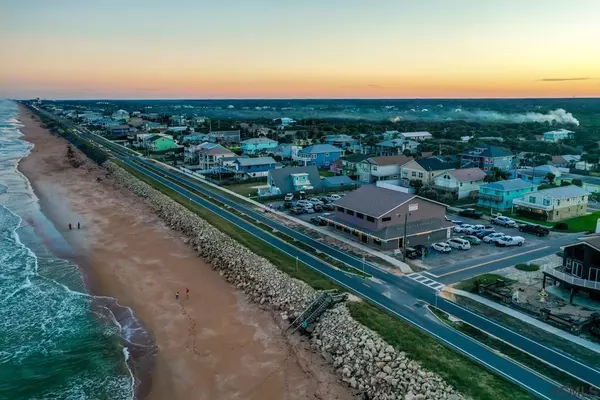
point(341, 209)
point(558, 202)
point(326, 154)
point(370, 219)
point(313, 156)
point(360, 216)
point(386, 219)
point(556, 213)
point(420, 174)
point(461, 184)
point(414, 173)
point(546, 202)
point(532, 199)
point(374, 168)
point(349, 212)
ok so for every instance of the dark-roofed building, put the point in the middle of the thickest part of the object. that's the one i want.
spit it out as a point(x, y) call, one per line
point(255, 167)
point(425, 169)
point(380, 216)
point(350, 163)
point(229, 137)
point(292, 179)
point(341, 182)
point(580, 269)
point(487, 157)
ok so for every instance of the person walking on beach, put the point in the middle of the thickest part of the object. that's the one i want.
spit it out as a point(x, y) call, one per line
point(78, 225)
point(70, 226)
point(176, 295)
point(187, 293)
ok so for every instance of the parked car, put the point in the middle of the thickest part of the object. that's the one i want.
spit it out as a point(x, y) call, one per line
point(510, 241)
point(315, 220)
point(534, 229)
point(334, 197)
point(290, 204)
point(416, 252)
point(484, 233)
point(304, 203)
point(329, 207)
point(473, 240)
point(318, 208)
point(308, 210)
point(289, 197)
point(462, 228)
point(470, 213)
point(454, 221)
point(494, 237)
point(459, 243)
point(314, 200)
point(302, 195)
point(324, 199)
point(503, 221)
point(297, 210)
point(441, 247)
point(474, 229)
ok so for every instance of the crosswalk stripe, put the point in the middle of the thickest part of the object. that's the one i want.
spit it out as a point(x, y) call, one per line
point(425, 281)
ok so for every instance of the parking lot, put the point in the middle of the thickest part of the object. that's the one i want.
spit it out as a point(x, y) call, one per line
point(435, 259)
point(305, 216)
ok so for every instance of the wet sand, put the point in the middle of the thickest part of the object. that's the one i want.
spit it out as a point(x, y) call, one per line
point(212, 345)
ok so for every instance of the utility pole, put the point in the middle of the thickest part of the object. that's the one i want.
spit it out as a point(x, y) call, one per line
point(404, 238)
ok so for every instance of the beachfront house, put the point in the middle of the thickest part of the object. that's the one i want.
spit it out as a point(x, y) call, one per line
point(554, 204)
point(500, 195)
point(254, 167)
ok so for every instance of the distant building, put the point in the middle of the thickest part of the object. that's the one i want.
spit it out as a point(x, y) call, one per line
point(350, 163)
point(425, 169)
point(381, 168)
point(258, 145)
point(195, 138)
point(500, 195)
point(286, 151)
point(555, 204)
point(148, 126)
point(397, 146)
point(320, 155)
point(119, 130)
point(538, 174)
point(179, 129)
point(120, 115)
point(420, 136)
point(225, 137)
point(557, 135)
point(178, 120)
point(210, 154)
point(487, 157)
point(340, 182)
point(341, 141)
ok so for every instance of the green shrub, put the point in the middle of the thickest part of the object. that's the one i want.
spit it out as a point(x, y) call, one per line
point(525, 267)
point(561, 226)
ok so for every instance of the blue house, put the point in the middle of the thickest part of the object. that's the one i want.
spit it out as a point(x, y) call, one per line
point(258, 145)
point(320, 155)
point(538, 174)
point(341, 181)
point(254, 167)
point(500, 195)
point(341, 141)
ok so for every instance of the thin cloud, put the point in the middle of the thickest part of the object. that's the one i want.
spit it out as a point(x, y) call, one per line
point(585, 78)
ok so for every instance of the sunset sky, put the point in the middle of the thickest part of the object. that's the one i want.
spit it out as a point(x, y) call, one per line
point(299, 49)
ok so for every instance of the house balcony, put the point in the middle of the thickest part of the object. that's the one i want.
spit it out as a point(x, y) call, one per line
point(491, 197)
point(532, 206)
point(563, 276)
point(303, 160)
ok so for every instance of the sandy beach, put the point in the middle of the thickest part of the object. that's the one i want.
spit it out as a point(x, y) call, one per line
point(212, 345)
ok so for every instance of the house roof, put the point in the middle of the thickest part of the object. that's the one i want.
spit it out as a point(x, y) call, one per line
point(246, 162)
point(468, 174)
point(488, 151)
point(540, 171)
point(338, 180)
point(281, 177)
point(373, 200)
point(397, 231)
point(392, 143)
point(415, 134)
point(565, 192)
point(557, 160)
point(260, 140)
point(340, 138)
point(356, 157)
point(434, 164)
point(593, 241)
point(389, 160)
point(511, 184)
point(213, 149)
point(321, 148)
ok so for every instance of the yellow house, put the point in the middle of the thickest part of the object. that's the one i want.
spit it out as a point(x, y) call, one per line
point(425, 169)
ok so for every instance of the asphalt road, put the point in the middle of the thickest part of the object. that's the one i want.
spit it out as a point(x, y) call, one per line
point(399, 296)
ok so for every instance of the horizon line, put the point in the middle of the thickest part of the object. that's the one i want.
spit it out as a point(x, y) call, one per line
point(306, 98)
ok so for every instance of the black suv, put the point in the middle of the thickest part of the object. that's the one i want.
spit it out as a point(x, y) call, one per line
point(470, 213)
point(416, 252)
point(534, 229)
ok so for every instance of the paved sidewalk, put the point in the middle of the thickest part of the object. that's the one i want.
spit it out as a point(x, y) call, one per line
point(405, 268)
point(526, 318)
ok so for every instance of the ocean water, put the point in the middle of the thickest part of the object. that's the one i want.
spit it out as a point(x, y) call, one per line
point(56, 341)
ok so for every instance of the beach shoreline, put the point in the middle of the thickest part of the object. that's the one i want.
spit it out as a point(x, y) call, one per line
point(214, 344)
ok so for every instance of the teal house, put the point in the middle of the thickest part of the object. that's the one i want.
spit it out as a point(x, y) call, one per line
point(160, 143)
point(258, 145)
point(500, 195)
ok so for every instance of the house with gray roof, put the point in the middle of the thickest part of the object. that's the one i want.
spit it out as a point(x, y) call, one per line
point(487, 157)
point(380, 217)
point(320, 155)
point(254, 167)
point(462, 183)
point(291, 180)
point(555, 204)
point(500, 195)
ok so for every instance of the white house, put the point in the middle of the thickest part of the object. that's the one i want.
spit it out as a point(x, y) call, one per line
point(555, 204)
point(383, 168)
point(416, 135)
point(119, 115)
point(557, 135)
point(461, 182)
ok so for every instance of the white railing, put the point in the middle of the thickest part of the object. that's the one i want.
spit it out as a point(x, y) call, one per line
point(573, 280)
point(524, 203)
